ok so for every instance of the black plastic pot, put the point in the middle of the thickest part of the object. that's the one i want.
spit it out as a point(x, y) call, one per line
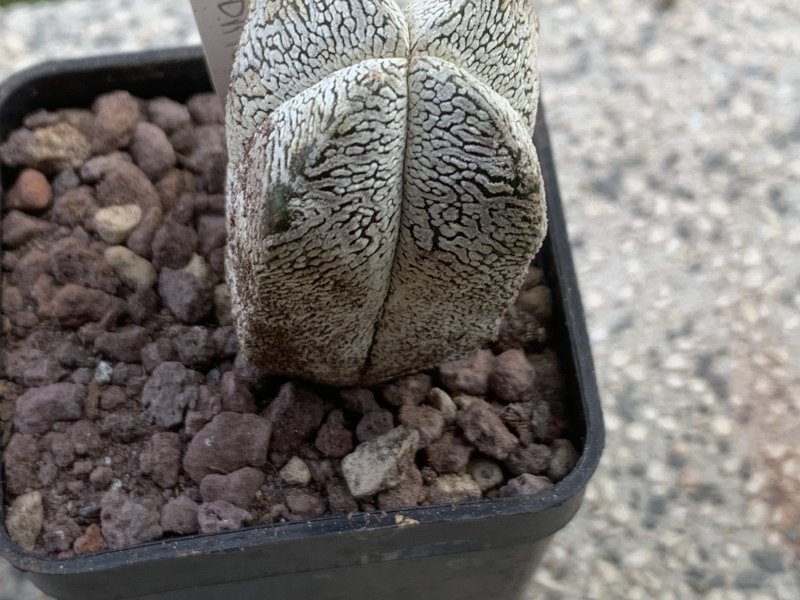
point(476, 551)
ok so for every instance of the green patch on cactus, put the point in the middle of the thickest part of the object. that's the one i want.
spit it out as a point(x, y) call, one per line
point(277, 217)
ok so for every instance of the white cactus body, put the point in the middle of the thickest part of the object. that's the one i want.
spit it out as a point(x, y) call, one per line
point(385, 197)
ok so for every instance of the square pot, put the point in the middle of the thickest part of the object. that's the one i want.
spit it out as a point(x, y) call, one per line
point(471, 551)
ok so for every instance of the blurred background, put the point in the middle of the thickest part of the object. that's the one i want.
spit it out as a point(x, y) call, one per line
point(676, 127)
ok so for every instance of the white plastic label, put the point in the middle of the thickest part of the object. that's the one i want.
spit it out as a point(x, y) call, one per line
point(220, 23)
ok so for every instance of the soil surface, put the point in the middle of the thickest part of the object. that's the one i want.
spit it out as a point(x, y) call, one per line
point(127, 413)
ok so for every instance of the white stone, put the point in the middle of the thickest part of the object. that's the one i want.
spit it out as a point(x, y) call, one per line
point(296, 472)
point(441, 401)
point(676, 362)
point(380, 463)
point(114, 223)
point(733, 551)
point(133, 270)
point(620, 358)
point(657, 472)
point(638, 559)
point(613, 422)
point(620, 514)
point(25, 518)
point(675, 381)
point(722, 426)
point(198, 267)
point(649, 413)
point(565, 456)
point(637, 432)
point(453, 488)
point(103, 372)
point(669, 424)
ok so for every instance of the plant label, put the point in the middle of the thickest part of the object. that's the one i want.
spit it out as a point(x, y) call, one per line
point(220, 23)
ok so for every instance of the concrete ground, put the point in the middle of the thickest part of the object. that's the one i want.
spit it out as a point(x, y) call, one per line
point(676, 127)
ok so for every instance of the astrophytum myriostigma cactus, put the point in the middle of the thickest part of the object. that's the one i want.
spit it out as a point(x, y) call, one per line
point(384, 194)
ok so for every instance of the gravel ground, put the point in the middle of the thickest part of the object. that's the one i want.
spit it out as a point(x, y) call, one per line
point(677, 140)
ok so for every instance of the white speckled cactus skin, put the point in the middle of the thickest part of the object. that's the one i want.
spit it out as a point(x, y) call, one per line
point(384, 194)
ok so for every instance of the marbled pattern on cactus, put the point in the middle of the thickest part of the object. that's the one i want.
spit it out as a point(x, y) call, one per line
point(384, 197)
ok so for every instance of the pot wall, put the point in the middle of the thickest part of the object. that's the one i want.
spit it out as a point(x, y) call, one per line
point(471, 552)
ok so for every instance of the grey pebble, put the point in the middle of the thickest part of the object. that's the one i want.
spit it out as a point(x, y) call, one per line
point(750, 579)
point(769, 561)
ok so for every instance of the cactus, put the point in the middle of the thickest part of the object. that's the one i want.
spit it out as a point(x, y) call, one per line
point(384, 193)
